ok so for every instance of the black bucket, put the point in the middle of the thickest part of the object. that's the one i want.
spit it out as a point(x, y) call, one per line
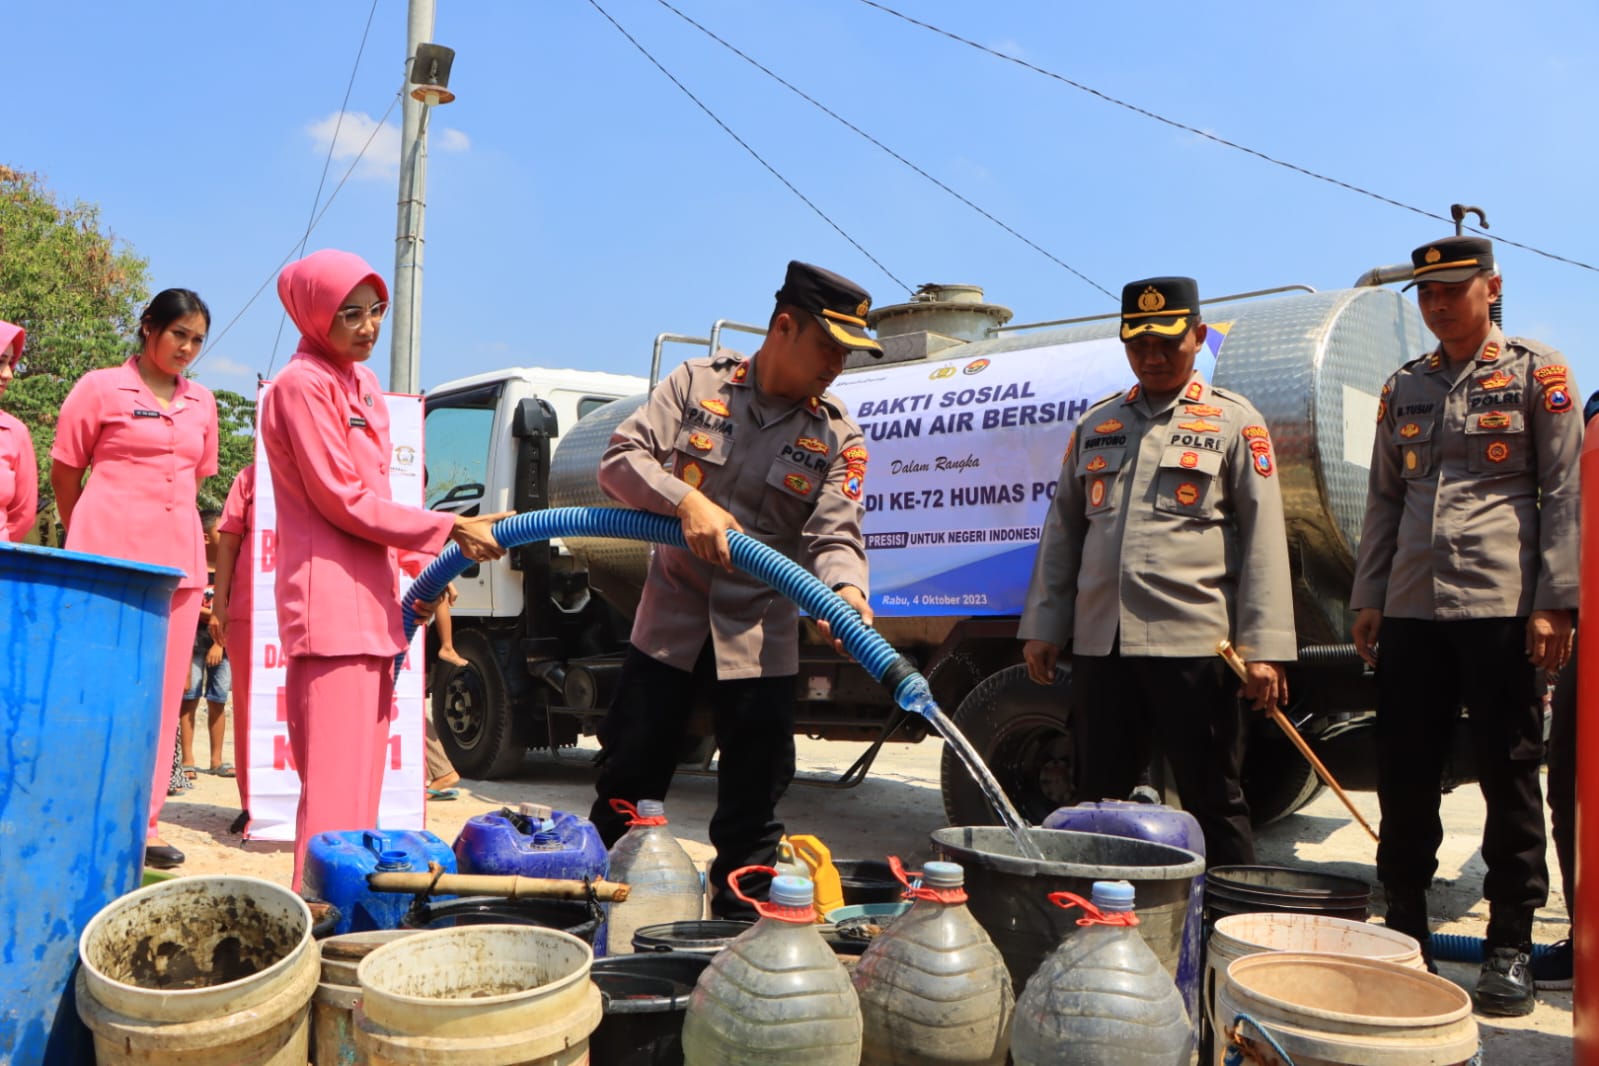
point(1009, 894)
point(646, 996)
point(569, 916)
point(868, 881)
point(1282, 890)
point(699, 938)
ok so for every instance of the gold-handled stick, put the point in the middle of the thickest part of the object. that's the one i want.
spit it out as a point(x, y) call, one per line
point(1225, 649)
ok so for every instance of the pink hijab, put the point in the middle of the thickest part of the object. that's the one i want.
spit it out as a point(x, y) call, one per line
point(13, 336)
point(313, 288)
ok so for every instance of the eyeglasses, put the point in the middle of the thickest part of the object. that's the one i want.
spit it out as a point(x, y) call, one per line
point(354, 317)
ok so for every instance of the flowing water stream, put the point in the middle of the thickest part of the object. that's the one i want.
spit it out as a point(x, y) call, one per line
point(985, 779)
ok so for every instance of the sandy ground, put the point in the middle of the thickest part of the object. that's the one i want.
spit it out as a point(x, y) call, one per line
point(895, 810)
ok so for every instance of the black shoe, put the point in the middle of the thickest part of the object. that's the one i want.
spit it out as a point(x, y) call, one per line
point(1504, 987)
point(1551, 971)
point(162, 856)
point(240, 822)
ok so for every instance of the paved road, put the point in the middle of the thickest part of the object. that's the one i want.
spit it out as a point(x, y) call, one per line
point(896, 809)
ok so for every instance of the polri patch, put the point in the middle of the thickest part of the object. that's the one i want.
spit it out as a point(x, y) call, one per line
point(797, 483)
point(1096, 492)
point(1187, 494)
point(699, 442)
point(693, 474)
point(1497, 452)
point(716, 407)
point(1557, 401)
point(1108, 426)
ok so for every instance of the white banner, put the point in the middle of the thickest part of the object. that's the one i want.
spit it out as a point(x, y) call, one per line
point(963, 459)
point(274, 784)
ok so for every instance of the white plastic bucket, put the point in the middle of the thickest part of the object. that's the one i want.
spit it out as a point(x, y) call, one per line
point(200, 971)
point(1339, 1010)
point(333, 1006)
point(481, 995)
point(1238, 935)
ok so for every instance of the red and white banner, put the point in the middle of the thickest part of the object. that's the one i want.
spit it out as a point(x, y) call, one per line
point(274, 784)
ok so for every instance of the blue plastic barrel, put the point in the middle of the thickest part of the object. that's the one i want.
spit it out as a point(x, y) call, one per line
point(564, 846)
point(82, 653)
point(336, 865)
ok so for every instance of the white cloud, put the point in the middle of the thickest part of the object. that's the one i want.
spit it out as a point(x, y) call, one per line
point(220, 366)
point(357, 130)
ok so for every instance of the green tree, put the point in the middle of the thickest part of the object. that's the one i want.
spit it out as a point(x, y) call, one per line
point(235, 445)
point(77, 290)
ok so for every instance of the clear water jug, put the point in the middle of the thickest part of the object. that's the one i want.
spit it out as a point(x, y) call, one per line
point(934, 989)
point(664, 883)
point(1101, 998)
point(777, 993)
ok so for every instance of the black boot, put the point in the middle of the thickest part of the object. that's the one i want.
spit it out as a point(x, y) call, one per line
point(1407, 913)
point(1505, 985)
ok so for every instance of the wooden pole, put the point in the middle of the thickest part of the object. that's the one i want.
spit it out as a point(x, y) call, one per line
point(508, 886)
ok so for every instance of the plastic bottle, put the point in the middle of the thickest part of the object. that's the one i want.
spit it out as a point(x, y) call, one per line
point(777, 993)
point(934, 989)
point(1101, 998)
point(664, 882)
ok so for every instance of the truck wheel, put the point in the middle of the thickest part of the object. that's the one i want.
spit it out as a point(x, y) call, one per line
point(473, 714)
point(1020, 730)
point(1277, 780)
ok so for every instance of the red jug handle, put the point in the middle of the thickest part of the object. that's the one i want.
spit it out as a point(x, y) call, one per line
point(1092, 915)
point(798, 915)
point(924, 890)
point(622, 806)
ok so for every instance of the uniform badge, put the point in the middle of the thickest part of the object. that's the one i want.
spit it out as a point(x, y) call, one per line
point(1554, 374)
point(855, 454)
point(1497, 452)
point(1199, 426)
point(1497, 380)
point(1108, 426)
point(1132, 393)
point(1386, 389)
point(1204, 410)
point(815, 404)
point(1096, 492)
point(367, 399)
point(1189, 460)
point(1263, 465)
point(853, 484)
point(1382, 410)
point(1187, 494)
point(1071, 439)
point(1254, 433)
point(1490, 354)
point(693, 474)
point(1434, 361)
point(1557, 401)
point(811, 444)
point(1096, 464)
point(797, 483)
point(1410, 460)
point(740, 372)
point(1493, 420)
point(716, 407)
point(1408, 430)
point(976, 366)
point(1195, 390)
point(699, 442)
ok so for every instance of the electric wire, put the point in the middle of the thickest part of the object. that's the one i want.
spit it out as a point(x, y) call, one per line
point(856, 129)
point(1090, 90)
point(745, 145)
point(376, 129)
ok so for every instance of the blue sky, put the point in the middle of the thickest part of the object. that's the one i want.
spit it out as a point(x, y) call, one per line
point(579, 203)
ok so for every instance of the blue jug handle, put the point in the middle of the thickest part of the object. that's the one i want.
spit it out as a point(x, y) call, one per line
point(375, 842)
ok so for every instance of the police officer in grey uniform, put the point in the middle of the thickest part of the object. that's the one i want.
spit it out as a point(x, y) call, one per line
point(1165, 537)
point(758, 445)
point(1468, 573)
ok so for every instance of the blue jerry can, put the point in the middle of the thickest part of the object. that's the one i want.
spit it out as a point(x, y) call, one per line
point(336, 865)
point(534, 842)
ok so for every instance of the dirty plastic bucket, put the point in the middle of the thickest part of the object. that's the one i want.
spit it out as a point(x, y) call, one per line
point(200, 971)
point(478, 995)
point(77, 762)
point(1283, 890)
point(646, 995)
point(569, 916)
point(333, 1006)
point(1238, 935)
point(1010, 894)
point(700, 938)
point(1334, 1009)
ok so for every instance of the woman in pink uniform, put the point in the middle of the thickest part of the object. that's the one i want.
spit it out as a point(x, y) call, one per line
point(231, 622)
point(150, 435)
point(325, 427)
point(19, 469)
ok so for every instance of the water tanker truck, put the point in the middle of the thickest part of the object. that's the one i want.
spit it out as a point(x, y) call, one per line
point(966, 418)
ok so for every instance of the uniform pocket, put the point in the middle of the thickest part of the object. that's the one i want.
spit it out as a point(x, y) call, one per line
point(700, 455)
point(1418, 452)
point(1497, 442)
point(791, 492)
point(1186, 481)
point(1098, 468)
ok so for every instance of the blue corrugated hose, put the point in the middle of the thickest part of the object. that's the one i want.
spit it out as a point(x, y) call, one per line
point(875, 654)
point(1457, 947)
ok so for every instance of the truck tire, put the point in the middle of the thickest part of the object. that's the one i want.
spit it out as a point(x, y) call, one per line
point(1277, 780)
point(473, 713)
point(1021, 731)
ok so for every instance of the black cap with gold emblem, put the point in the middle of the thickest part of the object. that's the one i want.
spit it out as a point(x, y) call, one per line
point(1451, 259)
point(1163, 306)
point(838, 303)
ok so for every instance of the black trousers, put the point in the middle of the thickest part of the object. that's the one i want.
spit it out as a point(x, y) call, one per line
point(754, 723)
point(1127, 710)
point(1425, 672)
point(1562, 764)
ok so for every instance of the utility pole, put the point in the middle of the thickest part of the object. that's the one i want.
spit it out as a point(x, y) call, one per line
point(405, 337)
